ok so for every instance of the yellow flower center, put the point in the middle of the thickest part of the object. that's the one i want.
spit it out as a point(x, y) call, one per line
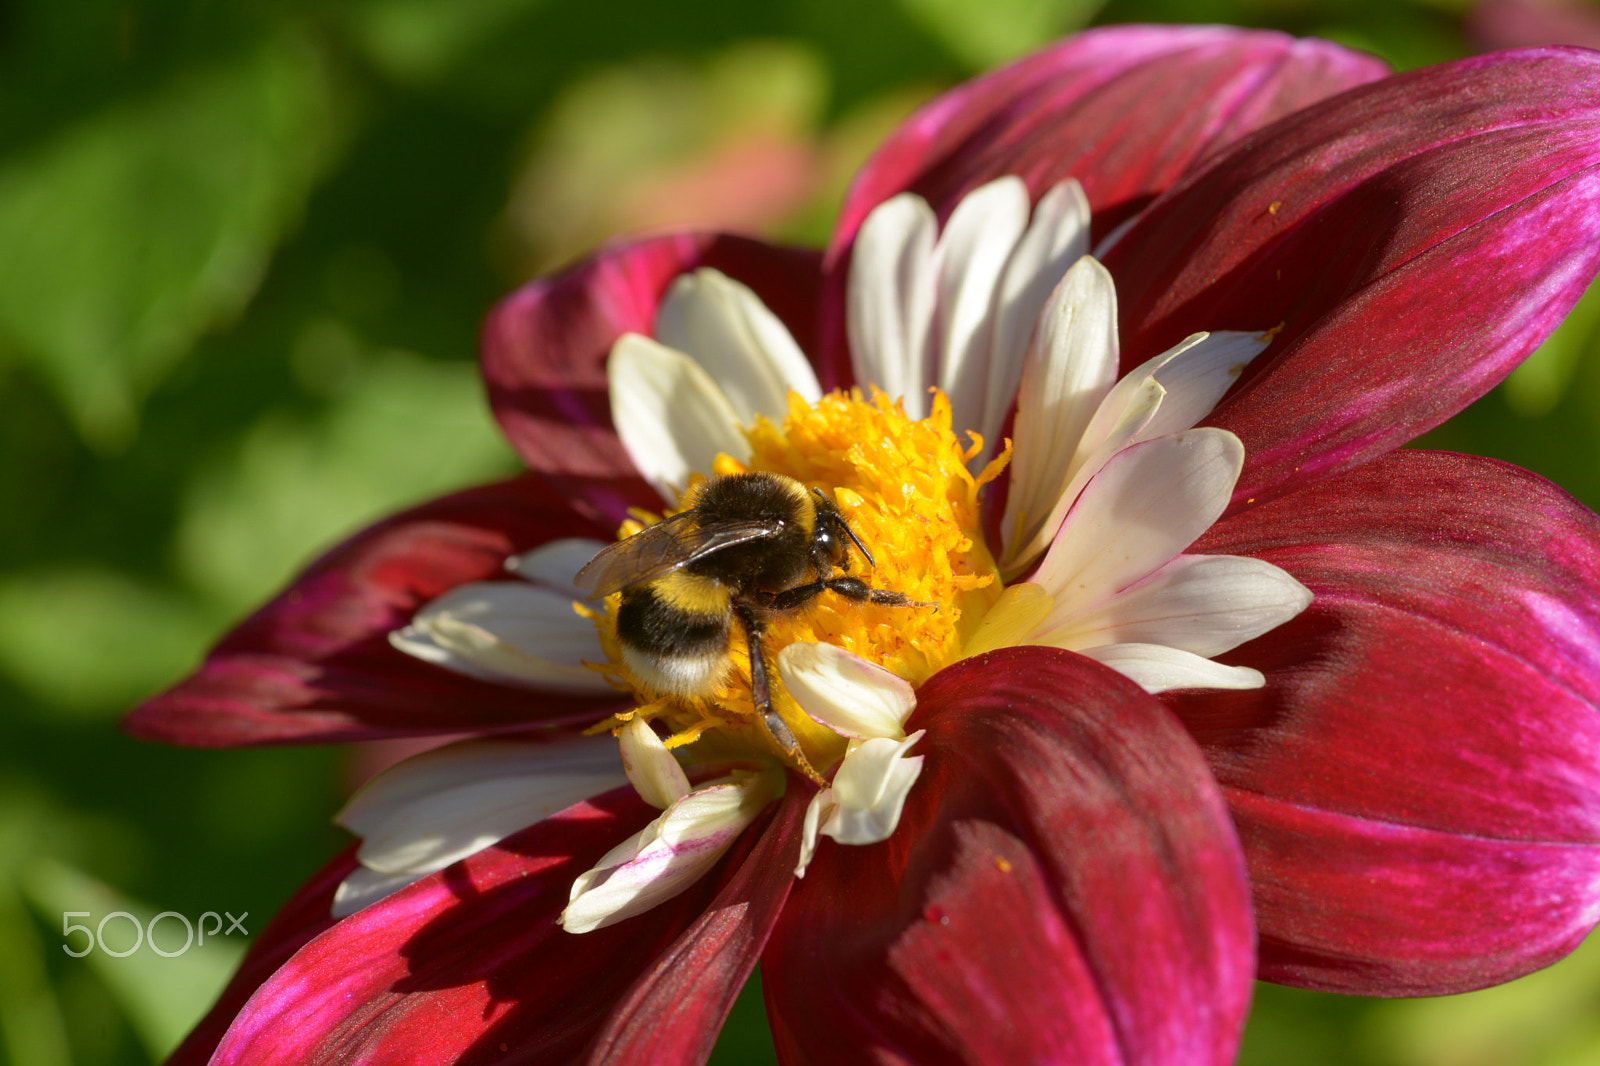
point(905, 490)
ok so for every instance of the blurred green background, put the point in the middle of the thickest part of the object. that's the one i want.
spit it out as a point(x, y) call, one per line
point(244, 251)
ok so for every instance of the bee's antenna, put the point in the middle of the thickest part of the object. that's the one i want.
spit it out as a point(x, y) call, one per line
point(860, 545)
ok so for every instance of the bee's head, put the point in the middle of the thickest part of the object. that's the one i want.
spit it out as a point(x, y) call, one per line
point(832, 535)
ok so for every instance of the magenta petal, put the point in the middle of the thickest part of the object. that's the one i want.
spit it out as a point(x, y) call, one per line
point(315, 663)
point(545, 349)
point(1413, 239)
point(468, 966)
point(1418, 787)
point(1124, 109)
point(302, 918)
point(1064, 886)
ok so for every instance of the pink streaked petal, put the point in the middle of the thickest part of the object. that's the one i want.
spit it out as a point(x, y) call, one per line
point(468, 966)
point(1414, 240)
point(1426, 753)
point(315, 663)
point(305, 916)
point(671, 854)
point(545, 349)
point(1064, 886)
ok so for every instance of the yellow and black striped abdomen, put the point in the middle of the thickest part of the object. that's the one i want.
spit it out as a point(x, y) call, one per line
point(674, 633)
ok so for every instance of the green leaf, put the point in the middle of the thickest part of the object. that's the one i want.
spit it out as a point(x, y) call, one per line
point(405, 429)
point(1535, 387)
point(1544, 1019)
point(31, 1027)
point(161, 992)
point(986, 33)
point(129, 234)
point(420, 40)
point(89, 641)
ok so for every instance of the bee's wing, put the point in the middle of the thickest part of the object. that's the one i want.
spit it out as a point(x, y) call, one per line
point(662, 548)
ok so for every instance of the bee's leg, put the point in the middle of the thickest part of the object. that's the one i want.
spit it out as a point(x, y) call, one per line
point(799, 596)
point(761, 694)
point(852, 588)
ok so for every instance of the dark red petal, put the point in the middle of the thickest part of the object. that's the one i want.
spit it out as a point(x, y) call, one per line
point(1124, 109)
point(1418, 787)
point(545, 349)
point(1127, 110)
point(468, 966)
point(302, 918)
point(1414, 239)
point(675, 1010)
point(1064, 886)
point(315, 663)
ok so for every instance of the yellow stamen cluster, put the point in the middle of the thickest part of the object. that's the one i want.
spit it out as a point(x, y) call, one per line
point(906, 491)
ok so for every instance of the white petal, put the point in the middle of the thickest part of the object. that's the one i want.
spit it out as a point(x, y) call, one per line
point(668, 855)
point(509, 633)
point(1158, 669)
point(845, 692)
point(890, 299)
point(1196, 373)
point(744, 347)
point(1057, 236)
point(870, 789)
point(972, 253)
point(1071, 367)
point(431, 810)
point(1204, 604)
point(655, 774)
point(817, 812)
point(556, 563)
point(671, 416)
point(1192, 375)
point(364, 887)
point(1142, 509)
point(1055, 459)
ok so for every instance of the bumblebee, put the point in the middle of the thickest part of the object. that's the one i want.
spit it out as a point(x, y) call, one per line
point(749, 548)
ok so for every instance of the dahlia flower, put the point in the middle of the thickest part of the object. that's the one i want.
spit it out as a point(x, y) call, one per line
point(1184, 674)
